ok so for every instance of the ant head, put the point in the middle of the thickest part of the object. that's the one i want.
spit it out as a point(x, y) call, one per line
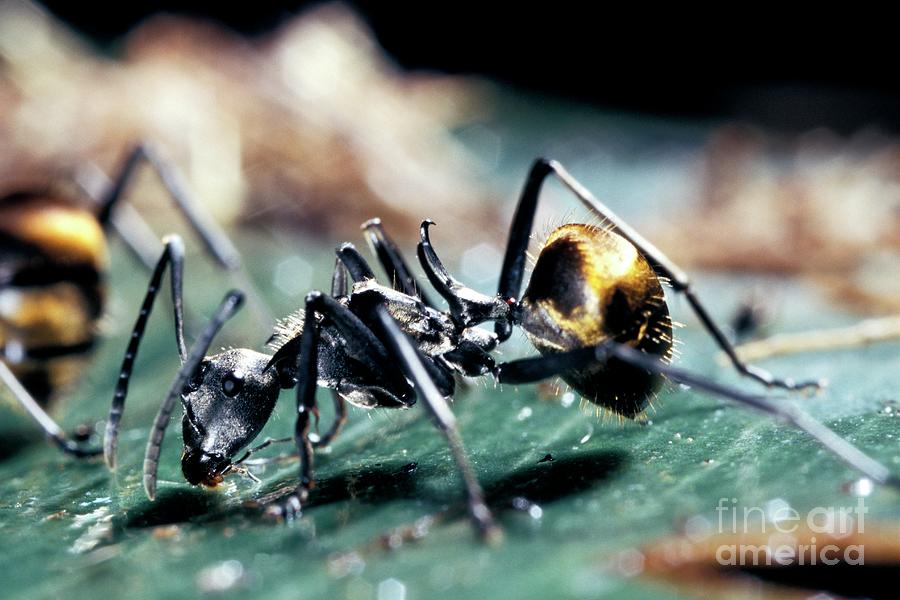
point(226, 404)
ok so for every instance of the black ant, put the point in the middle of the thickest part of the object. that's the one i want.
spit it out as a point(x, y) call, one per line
point(594, 308)
point(53, 260)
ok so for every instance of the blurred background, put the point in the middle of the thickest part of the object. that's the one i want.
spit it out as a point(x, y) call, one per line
point(792, 73)
point(786, 73)
point(316, 116)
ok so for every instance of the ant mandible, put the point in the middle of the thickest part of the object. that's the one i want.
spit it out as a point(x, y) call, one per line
point(594, 308)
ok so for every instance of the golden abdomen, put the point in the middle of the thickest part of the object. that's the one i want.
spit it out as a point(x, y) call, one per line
point(52, 256)
point(590, 285)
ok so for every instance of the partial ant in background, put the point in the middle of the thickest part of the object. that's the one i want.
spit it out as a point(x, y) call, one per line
point(594, 308)
point(53, 261)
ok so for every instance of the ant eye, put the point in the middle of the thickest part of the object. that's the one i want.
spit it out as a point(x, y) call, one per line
point(233, 383)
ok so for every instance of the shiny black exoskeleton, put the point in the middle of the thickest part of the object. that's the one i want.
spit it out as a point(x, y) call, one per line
point(594, 308)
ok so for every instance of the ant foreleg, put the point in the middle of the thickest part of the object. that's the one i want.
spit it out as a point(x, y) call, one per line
point(514, 264)
point(363, 346)
point(307, 366)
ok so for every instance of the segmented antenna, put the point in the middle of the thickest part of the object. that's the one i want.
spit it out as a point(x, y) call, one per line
point(172, 253)
point(225, 311)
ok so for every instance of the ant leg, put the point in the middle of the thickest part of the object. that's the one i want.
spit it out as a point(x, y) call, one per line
point(305, 357)
point(535, 369)
point(229, 305)
point(338, 288)
point(215, 240)
point(513, 270)
point(514, 264)
point(414, 367)
point(365, 348)
point(45, 421)
point(538, 368)
point(134, 231)
point(340, 410)
point(467, 307)
point(307, 366)
point(392, 261)
point(837, 445)
point(301, 354)
point(359, 270)
point(340, 418)
point(173, 253)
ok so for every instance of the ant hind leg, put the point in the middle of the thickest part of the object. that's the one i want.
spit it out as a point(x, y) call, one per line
point(513, 269)
point(531, 370)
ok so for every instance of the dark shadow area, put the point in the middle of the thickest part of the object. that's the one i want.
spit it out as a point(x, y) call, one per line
point(174, 507)
point(548, 481)
point(845, 580)
point(543, 482)
point(371, 484)
point(14, 442)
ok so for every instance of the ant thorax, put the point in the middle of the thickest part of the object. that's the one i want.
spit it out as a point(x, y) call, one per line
point(432, 330)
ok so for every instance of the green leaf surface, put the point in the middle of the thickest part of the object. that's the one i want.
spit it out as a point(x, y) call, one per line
point(73, 530)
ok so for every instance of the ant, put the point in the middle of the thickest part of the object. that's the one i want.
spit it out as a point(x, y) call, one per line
point(594, 308)
point(53, 260)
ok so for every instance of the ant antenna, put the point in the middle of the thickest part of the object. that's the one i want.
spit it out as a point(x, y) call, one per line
point(229, 305)
point(174, 254)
